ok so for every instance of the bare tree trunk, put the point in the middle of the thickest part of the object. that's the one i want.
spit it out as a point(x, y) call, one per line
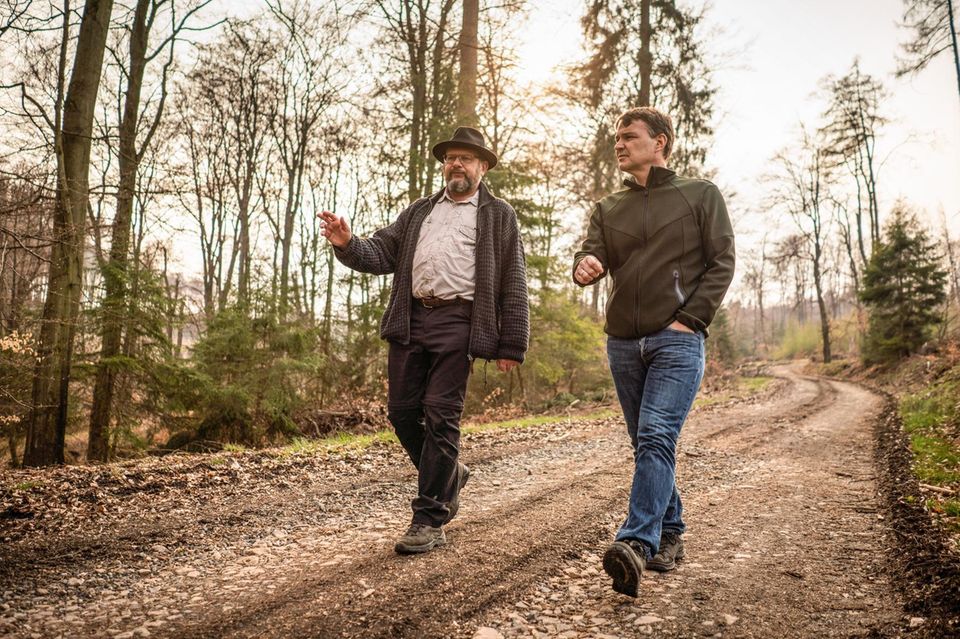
point(12, 445)
point(467, 87)
point(47, 425)
point(115, 273)
point(821, 304)
point(646, 58)
point(418, 76)
point(437, 106)
point(953, 40)
point(328, 305)
point(952, 260)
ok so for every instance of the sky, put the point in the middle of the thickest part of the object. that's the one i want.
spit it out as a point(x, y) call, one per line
point(773, 56)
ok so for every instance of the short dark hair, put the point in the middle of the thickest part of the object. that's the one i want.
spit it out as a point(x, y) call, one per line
point(657, 122)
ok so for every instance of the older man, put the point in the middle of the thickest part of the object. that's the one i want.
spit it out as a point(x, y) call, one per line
point(668, 244)
point(459, 293)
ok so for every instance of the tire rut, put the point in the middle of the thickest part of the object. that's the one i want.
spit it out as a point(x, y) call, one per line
point(461, 580)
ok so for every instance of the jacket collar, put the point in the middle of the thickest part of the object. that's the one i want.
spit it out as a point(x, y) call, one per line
point(657, 176)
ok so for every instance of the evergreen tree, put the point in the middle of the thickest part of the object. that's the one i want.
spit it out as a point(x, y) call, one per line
point(903, 285)
point(721, 346)
point(651, 53)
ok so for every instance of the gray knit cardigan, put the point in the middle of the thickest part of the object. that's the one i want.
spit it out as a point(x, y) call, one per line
point(500, 326)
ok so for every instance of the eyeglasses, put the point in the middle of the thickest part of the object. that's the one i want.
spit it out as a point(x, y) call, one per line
point(464, 159)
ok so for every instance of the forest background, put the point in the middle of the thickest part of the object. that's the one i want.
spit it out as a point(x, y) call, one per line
point(163, 280)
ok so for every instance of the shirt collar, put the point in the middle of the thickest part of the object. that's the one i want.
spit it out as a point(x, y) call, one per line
point(474, 199)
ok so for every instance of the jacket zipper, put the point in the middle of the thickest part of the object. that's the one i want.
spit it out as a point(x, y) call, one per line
point(676, 288)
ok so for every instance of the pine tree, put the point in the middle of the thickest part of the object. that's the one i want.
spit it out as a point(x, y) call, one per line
point(651, 53)
point(903, 286)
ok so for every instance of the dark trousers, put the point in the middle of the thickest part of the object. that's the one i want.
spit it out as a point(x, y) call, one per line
point(427, 385)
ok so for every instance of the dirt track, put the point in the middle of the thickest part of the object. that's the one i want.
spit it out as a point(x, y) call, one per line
point(786, 539)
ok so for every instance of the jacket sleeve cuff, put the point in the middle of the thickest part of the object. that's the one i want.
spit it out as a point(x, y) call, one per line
point(348, 250)
point(511, 352)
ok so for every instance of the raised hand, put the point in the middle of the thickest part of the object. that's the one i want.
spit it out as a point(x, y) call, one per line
point(335, 229)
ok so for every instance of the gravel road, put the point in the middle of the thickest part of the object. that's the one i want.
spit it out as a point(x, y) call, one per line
point(786, 537)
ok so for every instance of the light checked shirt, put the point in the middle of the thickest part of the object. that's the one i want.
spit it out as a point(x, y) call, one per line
point(444, 263)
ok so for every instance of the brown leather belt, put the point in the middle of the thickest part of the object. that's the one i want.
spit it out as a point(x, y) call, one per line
point(436, 302)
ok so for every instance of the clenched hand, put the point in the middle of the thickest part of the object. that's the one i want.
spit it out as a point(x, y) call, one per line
point(588, 270)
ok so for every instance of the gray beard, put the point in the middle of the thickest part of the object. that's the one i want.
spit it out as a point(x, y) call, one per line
point(460, 185)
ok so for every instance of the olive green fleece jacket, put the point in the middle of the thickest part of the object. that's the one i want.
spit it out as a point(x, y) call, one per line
point(669, 247)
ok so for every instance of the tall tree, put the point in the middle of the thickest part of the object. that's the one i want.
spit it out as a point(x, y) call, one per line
point(467, 85)
point(650, 53)
point(47, 425)
point(903, 287)
point(306, 79)
point(800, 189)
point(226, 128)
point(754, 279)
point(853, 120)
point(420, 59)
point(934, 26)
point(130, 153)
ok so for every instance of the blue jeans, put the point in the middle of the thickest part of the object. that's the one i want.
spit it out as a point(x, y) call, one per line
point(657, 378)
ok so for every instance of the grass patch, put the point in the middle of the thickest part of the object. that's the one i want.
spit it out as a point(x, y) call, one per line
point(27, 485)
point(342, 442)
point(937, 461)
point(930, 419)
point(336, 442)
point(745, 387)
point(837, 368)
point(537, 420)
point(234, 448)
point(754, 384)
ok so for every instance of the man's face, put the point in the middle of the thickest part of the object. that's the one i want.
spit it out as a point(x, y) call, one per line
point(462, 170)
point(635, 148)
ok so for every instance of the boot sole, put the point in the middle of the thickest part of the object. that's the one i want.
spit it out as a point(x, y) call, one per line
point(620, 562)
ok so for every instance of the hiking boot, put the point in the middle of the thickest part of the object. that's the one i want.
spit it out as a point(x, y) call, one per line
point(624, 561)
point(420, 538)
point(463, 474)
point(670, 552)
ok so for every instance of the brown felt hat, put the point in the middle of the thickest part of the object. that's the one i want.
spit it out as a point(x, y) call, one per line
point(466, 138)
